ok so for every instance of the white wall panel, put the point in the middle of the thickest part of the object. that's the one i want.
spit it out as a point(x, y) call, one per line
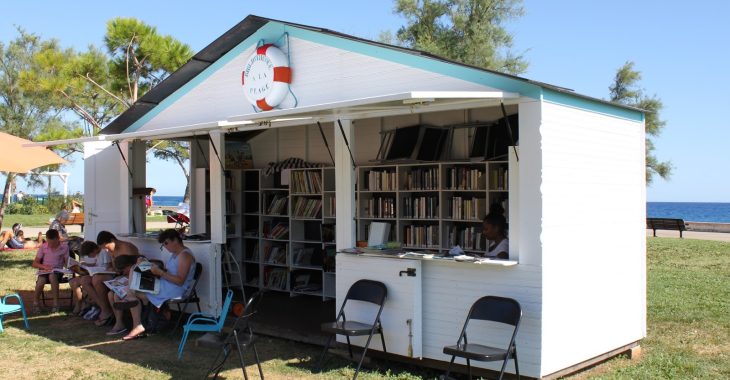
point(320, 74)
point(593, 234)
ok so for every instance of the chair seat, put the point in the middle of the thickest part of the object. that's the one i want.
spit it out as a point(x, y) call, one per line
point(9, 308)
point(217, 340)
point(351, 328)
point(183, 300)
point(476, 352)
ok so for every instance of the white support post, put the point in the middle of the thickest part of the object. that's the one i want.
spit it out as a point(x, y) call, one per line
point(345, 185)
point(217, 191)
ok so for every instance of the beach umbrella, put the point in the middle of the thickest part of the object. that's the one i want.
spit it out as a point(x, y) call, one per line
point(16, 158)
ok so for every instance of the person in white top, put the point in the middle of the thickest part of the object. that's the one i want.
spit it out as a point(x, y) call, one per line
point(495, 230)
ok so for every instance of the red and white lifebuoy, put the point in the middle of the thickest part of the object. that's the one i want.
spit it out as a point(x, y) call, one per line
point(266, 77)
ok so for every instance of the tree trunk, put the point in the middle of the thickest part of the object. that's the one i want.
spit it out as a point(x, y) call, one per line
point(6, 197)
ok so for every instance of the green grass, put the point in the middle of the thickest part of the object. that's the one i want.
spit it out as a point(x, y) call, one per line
point(688, 333)
point(38, 220)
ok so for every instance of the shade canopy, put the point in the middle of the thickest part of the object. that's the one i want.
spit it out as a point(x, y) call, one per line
point(16, 158)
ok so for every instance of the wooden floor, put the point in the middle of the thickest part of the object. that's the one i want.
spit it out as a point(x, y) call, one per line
point(295, 318)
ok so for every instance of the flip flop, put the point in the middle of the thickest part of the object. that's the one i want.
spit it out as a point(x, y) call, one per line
point(133, 337)
point(116, 332)
point(103, 322)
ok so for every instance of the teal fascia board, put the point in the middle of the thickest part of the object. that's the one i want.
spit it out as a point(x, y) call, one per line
point(588, 104)
point(269, 33)
point(273, 31)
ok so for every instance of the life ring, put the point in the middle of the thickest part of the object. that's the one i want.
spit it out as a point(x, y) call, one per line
point(266, 77)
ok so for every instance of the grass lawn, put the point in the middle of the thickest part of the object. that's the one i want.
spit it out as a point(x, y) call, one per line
point(688, 333)
point(37, 220)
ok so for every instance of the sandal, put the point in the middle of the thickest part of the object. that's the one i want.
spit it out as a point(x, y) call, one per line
point(116, 331)
point(105, 321)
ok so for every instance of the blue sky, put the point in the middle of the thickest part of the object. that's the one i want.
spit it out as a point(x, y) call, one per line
point(678, 47)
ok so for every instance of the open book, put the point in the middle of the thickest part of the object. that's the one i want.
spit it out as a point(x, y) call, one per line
point(55, 270)
point(118, 285)
point(87, 269)
point(143, 280)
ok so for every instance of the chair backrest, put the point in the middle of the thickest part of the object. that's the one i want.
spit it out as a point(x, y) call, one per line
point(196, 276)
point(224, 310)
point(249, 310)
point(367, 291)
point(497, 309)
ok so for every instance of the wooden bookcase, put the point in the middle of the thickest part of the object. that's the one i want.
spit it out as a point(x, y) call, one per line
point(287, 231)
point(431, 206)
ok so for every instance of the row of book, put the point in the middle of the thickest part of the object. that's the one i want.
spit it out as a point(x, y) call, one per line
point(421, 236)
point(379, 207)
point(302, 256)
point(421, 207)
point(422, 179)
point(279, 232)
point(469, 238)
point(380, 180)
point(275, 253)
point(277, 205)
point(276, 278)
point(307, 182)
point(465, 179)
point(498, 179)
point(462, 208)
point(307, 207)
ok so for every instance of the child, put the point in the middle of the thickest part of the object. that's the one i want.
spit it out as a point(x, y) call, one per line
point(52, 255)
point(89, 256)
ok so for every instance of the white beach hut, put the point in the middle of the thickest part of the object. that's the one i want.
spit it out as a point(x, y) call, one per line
point(574, 183)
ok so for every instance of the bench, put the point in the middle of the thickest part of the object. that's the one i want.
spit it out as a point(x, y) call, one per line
point(75, 219)
point(666, 224)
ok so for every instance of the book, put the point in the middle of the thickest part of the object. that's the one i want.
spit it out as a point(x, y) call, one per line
point(83, 268)
point(118, 285)
point(55, 270)
point(143, 280)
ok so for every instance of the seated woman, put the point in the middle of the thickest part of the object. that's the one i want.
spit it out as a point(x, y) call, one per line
point(495, 227)
point(59, 222)
point(175, 280)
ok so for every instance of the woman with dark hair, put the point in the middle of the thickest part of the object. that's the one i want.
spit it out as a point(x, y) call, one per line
point(495, 230)
point(175, 280)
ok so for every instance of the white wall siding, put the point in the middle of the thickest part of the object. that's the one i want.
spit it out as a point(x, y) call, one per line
point(593, 235)
point(320, 74)
point(448, 289)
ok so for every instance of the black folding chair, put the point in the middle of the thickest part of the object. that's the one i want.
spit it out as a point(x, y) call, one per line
point(495, 309)
point(190, 297)
point(369, 291)
point(240, 338)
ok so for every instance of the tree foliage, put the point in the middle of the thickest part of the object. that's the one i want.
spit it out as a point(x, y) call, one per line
point(467, 31)
point(625, 90)
point(25, 109)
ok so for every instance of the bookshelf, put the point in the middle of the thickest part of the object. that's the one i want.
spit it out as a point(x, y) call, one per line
point(432, 206)
point(287, 231)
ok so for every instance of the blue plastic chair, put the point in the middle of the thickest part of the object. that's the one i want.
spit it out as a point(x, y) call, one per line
point(6, 308)
point(204, 323)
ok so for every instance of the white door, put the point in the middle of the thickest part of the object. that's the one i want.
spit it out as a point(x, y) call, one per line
point(106, 189)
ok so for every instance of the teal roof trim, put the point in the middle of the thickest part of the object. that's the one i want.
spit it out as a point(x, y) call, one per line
point(269, 32)
point(273, 31)
point(588, 104)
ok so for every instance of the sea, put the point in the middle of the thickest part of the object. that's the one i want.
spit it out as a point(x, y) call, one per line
point(690, 211)
point(167, 200)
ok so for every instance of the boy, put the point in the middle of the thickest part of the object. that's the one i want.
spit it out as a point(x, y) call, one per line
point(51, 255)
